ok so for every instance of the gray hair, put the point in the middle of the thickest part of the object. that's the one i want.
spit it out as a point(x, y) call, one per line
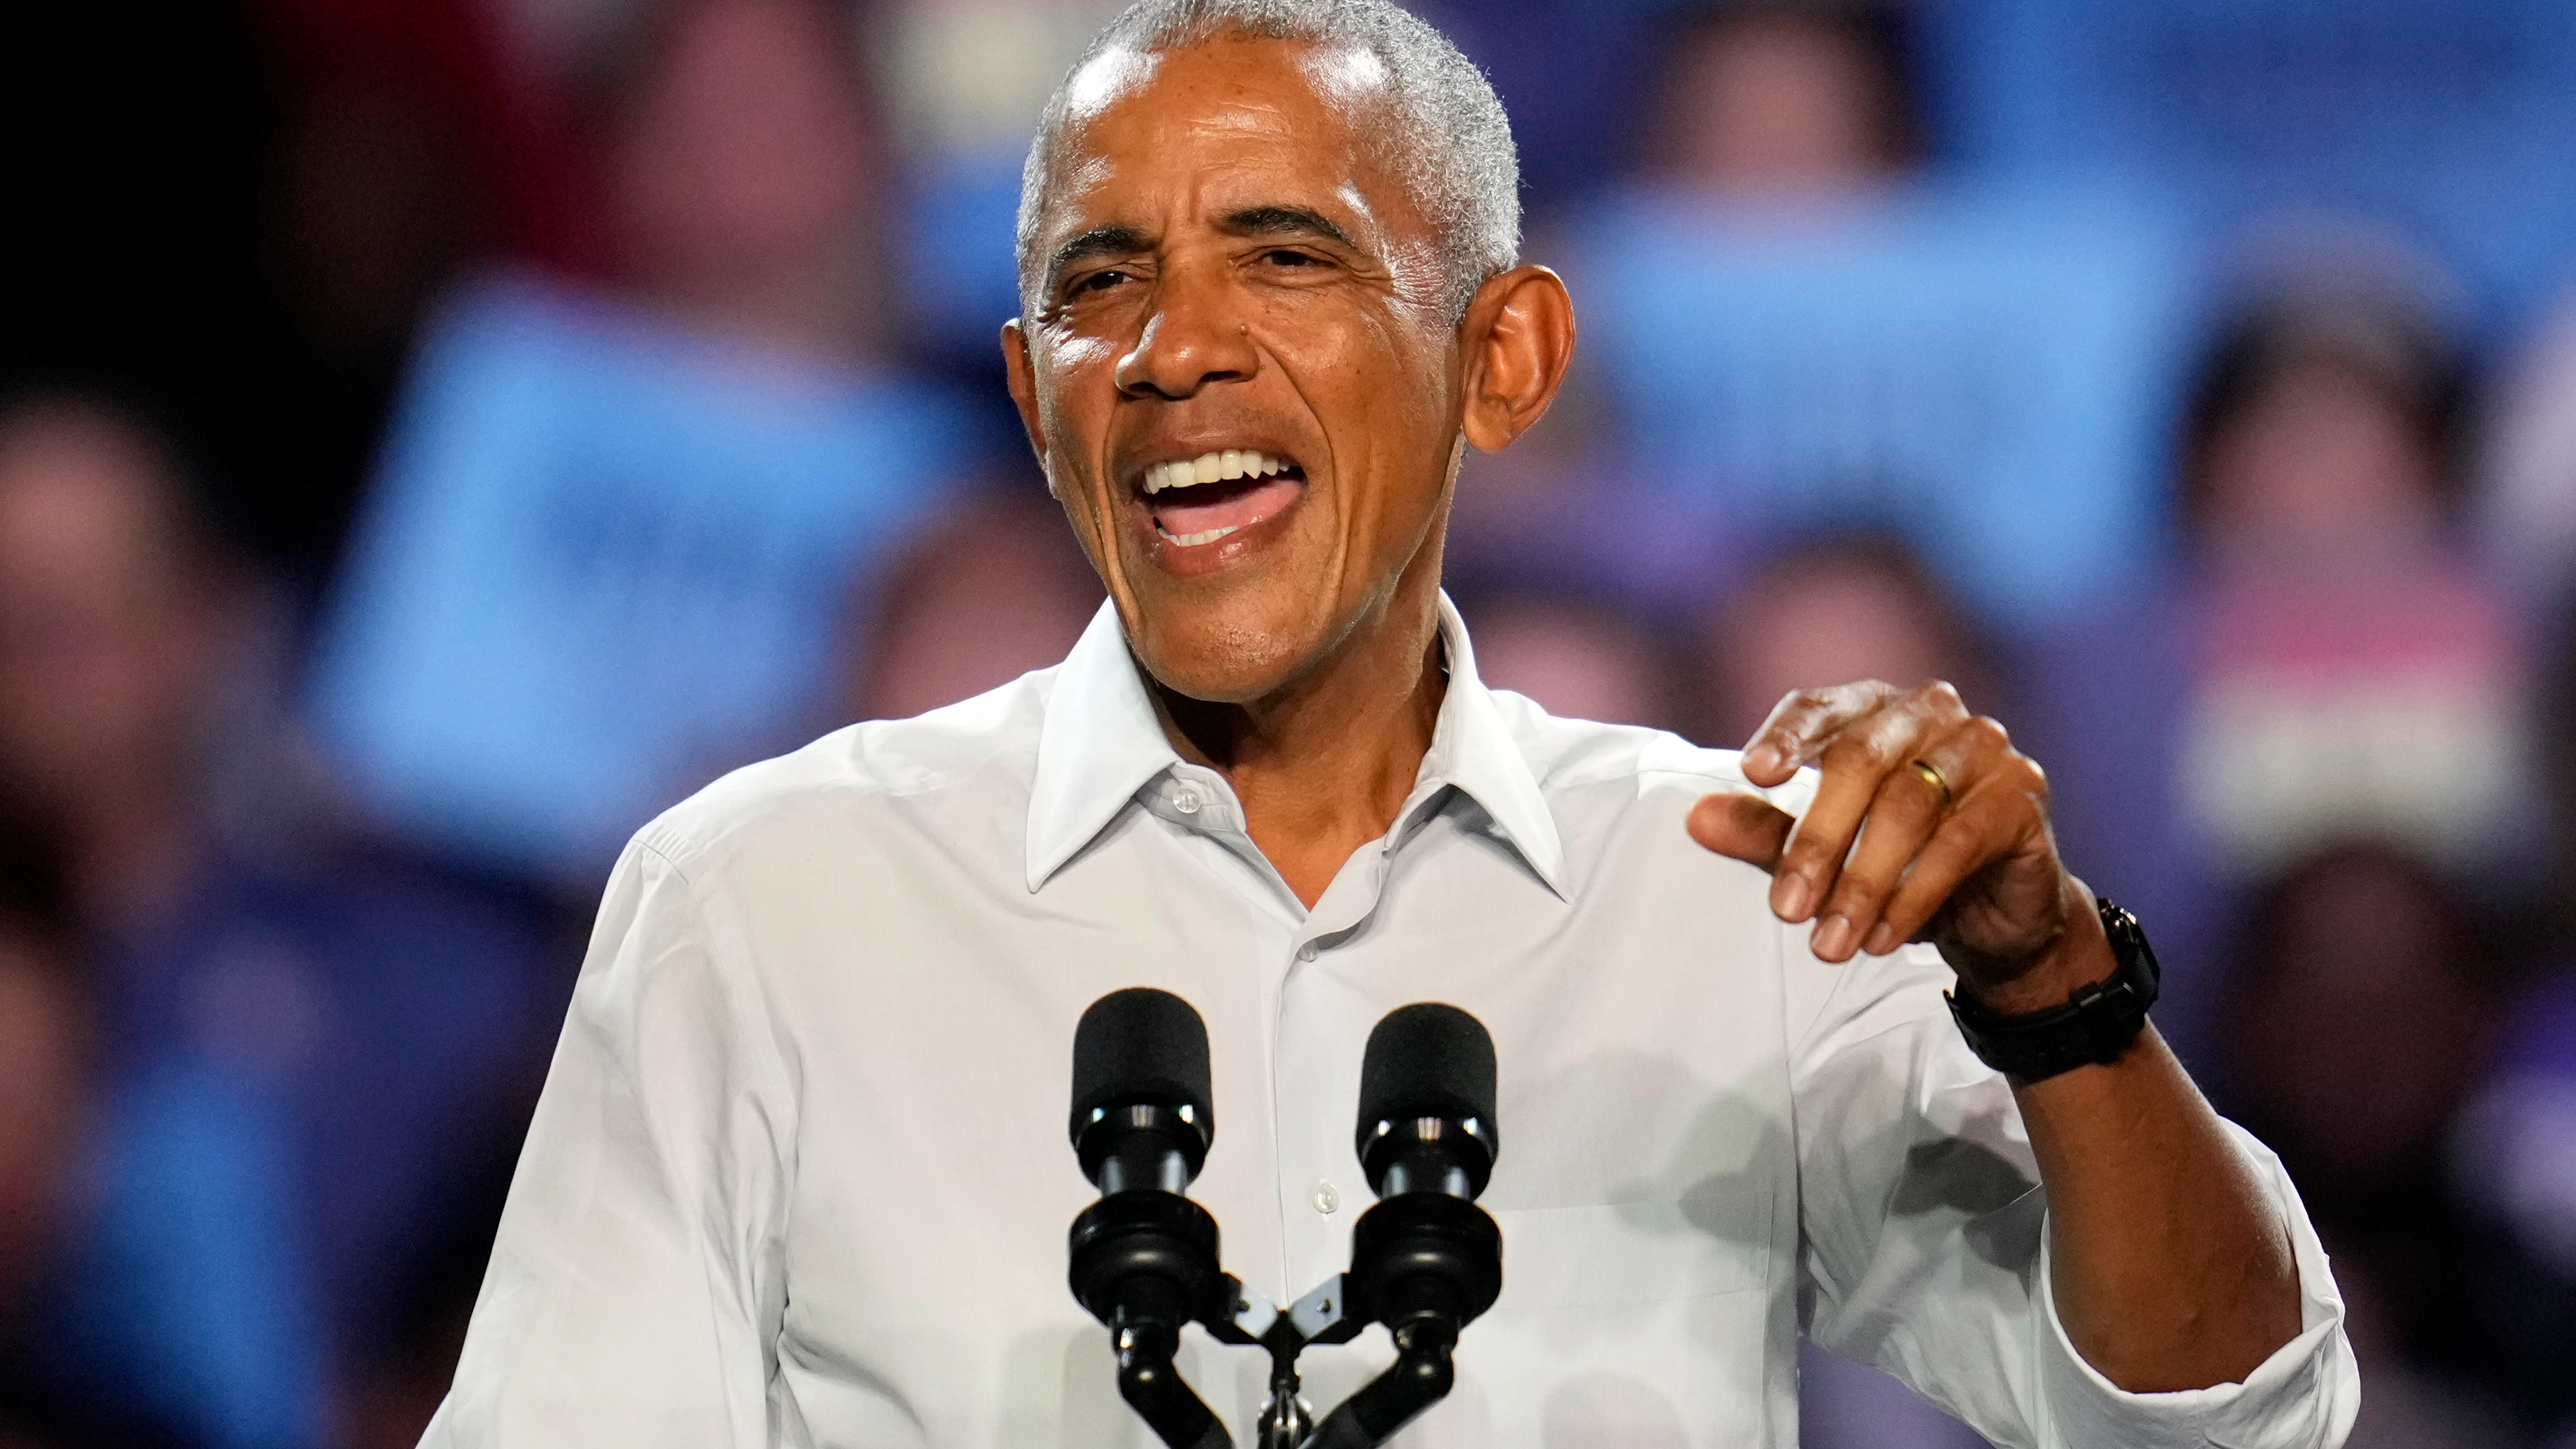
point(1452, 142)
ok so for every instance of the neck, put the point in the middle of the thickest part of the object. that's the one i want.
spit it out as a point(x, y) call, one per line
point(1323, 765)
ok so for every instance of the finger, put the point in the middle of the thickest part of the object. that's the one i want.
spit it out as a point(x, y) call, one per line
point(1902, 816)
point(1990, 824)
point(1802, 722)
point(1742, 827)
point(1851, 767)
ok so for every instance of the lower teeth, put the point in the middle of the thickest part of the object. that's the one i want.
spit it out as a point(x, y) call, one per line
point(1193, 540)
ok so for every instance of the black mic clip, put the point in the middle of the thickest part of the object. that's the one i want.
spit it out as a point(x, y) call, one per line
point(1425, 1261)
point(1423, 1264)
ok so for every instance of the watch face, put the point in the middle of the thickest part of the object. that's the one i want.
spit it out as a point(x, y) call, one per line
point(2139, 969)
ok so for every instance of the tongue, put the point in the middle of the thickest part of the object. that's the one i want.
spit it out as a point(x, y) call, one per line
point(1236, 503)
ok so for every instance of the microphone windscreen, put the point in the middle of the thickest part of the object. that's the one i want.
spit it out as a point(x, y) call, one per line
point(1141, 1045)
point(1428, 1060)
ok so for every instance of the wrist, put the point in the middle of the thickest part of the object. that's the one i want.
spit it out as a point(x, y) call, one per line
point(2075, 961)
point(2041, 1026)
point(2080, 956)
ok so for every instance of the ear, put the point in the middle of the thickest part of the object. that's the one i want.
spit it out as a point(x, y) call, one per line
point(1516, 339)
point(1024, 390)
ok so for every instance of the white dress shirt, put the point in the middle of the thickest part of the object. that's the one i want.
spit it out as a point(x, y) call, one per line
point(800, 1174)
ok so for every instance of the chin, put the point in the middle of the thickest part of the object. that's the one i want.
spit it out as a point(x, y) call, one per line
point(1228, 655)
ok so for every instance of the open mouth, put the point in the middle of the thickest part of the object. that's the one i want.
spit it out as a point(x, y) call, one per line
point(1196, 501)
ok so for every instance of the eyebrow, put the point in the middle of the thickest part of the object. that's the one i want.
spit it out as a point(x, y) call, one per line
point(1284, 221)
point(1251, 221)
point(1100, 241)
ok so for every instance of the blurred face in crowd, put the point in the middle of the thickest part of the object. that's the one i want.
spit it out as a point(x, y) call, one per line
point(2366, 991)
point(741, 175)
point(2320, 453)
point(984, 597)
point(1827, 614)
point(1578, 660)
point(107, 620)
point(1777, 105)
point(1239, 288)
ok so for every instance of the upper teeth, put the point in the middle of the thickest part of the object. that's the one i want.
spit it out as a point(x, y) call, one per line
point(1212, 467)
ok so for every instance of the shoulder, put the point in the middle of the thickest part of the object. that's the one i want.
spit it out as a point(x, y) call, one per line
point(878, 778)
point(1568, 756)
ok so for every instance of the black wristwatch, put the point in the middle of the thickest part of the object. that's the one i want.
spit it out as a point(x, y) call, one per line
point(2095, 1025)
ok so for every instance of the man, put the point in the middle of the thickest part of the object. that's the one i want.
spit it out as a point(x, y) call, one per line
point(800, 1177)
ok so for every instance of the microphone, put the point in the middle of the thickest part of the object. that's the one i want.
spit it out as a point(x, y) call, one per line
point(1141, 1117)
point(1425, 1261)
point(1427, 1103)
point(1144, 1258)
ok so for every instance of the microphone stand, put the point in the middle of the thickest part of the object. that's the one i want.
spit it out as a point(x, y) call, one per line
point(1425, 1261)
point(1421, 1376)
point(1422, 1263)
point(1154, 1388)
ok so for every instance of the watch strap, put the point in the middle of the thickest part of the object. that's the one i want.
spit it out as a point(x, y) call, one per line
point(2095, 1025)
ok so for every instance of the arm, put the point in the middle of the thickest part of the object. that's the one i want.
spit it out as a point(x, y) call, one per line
point(1923, 1235)
point(2170, 1266)
point(635, 1288)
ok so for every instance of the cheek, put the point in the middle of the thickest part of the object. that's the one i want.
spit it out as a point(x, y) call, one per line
point(1410, 417)
point(1375, 379)
point(1072, 355)
point(1075, 390)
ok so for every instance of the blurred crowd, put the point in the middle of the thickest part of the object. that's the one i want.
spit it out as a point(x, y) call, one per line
point(435, 435)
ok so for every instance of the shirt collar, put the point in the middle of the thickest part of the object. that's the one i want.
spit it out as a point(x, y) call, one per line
point(1473, 749)
point(1101, 742)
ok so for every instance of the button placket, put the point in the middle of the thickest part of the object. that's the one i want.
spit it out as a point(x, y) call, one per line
point(1317, 1062)
point(1346, 907)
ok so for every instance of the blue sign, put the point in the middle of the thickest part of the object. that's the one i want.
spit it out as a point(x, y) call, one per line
point(603, 559)
point(2452, 122)
point(1989, 374)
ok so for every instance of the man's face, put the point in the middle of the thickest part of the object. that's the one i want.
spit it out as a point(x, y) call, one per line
point(1233, 283)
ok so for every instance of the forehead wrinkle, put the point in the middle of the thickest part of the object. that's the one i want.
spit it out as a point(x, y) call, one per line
point(1239, 190)
point(1241, 133)
point(1087, 161)
point(1248, 131)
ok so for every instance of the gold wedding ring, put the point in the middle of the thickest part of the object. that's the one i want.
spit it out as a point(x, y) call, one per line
point(1933, 777)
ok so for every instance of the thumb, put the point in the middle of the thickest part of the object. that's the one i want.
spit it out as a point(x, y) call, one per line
point(1743, 827)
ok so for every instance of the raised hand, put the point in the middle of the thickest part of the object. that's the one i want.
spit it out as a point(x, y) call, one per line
point(1927, 825)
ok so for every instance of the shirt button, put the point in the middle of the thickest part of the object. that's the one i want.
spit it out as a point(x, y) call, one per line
point(1328, 1199)
point(1187, 801)
point(1307, 953)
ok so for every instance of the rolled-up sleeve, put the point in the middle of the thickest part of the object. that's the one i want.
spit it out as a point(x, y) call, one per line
point(2302, 1397)
point(635, 1287)
point(1925, 1243)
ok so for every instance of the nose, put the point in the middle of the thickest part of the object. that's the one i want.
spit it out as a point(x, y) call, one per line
point(1191, 339)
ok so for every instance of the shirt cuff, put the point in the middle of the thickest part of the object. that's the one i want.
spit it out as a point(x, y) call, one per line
point(2302, 1397)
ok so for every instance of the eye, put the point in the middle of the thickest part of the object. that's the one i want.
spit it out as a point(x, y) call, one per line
point(1100, 281)
point(1282, 257)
